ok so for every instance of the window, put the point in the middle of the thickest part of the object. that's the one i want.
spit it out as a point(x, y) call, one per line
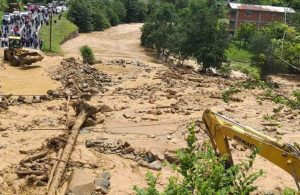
point(249, 13)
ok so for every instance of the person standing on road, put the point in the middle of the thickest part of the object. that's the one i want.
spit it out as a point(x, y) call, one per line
point(41, 43)
point(36, 43)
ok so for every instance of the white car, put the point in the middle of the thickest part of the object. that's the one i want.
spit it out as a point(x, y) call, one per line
point(61, 8)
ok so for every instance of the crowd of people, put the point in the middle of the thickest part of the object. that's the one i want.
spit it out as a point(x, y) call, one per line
point(26, 27)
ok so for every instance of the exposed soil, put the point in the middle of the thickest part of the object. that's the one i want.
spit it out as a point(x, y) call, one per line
point(147, 103)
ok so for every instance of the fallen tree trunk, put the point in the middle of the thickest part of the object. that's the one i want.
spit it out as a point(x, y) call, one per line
point(54, 167)
point(83, 111)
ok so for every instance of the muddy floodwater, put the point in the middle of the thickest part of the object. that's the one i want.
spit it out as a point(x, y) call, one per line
point(30, 80)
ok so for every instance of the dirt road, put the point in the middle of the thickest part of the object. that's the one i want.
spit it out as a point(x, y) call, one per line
point(149, 104)
point(30, 80)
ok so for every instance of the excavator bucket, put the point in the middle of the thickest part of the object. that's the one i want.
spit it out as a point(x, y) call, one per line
point(30, 58)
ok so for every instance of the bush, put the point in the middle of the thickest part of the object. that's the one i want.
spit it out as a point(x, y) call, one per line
point(204, 173)
point(87, 54)
point(275, 49)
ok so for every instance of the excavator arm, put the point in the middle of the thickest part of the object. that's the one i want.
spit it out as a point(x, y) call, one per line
point(220, 128)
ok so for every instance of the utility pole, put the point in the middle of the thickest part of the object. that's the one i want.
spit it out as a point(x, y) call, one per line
point(51, 13)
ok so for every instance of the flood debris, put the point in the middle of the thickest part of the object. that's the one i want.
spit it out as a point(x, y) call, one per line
point(78, 79)
point(126, 150)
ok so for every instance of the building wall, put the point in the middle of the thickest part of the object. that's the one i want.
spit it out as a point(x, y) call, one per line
point(260, 18)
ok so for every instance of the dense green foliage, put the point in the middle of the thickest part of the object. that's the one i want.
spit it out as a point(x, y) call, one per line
point(202, 172)
point(58, 35)
point(98, 15)
point(276, 48)
point(245, 33)
point(87, 54)
point(188, 29)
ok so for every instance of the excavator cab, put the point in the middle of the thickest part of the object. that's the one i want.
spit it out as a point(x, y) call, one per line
point(14, 42)
point(18, 56)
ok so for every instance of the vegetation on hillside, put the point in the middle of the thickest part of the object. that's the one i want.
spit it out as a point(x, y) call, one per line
point(58, 35)
point(202, 172)
point(101, 14)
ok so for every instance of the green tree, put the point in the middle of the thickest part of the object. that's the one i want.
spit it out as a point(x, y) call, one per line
point(246, 32)
point(136, 11)
point(207, 36)
point(3, 5)
point(81, 13)
point(276, 49)
point(157, 33)
point(119, 8)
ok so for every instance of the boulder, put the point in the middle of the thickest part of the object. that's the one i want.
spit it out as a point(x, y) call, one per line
point(81, 182)
point(156, 165)
point(90, 123)
point(105, 175)
point(101, 183)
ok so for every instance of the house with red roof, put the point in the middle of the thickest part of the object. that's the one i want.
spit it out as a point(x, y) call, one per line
point(259, 15)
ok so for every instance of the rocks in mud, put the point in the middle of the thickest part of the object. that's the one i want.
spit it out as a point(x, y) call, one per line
point(105, 108)
point(3, 127)
point(79, 78)
point(155, 165)
point(105, 174)
point(53, 93)
point(102, 183)
point(90, 122)
point(123, 63)
point(125, 150)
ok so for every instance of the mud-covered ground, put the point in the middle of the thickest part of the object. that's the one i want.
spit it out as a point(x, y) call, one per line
point(147, 104)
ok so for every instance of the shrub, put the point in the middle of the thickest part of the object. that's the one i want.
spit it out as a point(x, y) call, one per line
point(204, 173)
point(87, 54)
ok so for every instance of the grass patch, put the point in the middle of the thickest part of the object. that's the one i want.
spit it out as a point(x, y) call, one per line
point(235, 54)
point(60, 31)
point(1, 16)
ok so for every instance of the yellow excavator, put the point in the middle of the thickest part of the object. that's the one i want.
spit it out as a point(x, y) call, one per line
point(19, 56)
point(219, 128)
